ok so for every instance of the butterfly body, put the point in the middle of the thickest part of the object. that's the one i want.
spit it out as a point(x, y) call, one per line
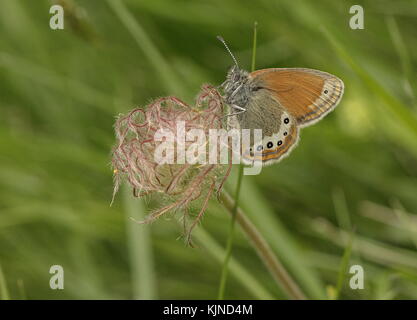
point(279, 101)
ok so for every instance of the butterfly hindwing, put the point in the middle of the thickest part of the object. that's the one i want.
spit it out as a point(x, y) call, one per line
point(274, 148)
point(280, 133)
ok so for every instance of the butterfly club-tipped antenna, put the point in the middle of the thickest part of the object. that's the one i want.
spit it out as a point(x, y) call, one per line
point(228, 50)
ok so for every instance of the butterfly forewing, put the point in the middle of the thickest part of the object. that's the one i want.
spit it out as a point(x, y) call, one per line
point(305, 93)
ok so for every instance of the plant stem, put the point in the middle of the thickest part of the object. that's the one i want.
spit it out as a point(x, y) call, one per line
point(264, 251)
point(229, 246)
point(255, 25)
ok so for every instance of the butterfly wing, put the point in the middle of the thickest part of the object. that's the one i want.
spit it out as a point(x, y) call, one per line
point(274, 148)
point(280, 131)
point(307, 94)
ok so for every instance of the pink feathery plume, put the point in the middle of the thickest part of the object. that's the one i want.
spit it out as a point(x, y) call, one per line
point(133, 157)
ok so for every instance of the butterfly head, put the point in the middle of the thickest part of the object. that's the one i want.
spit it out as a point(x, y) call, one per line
point(235, 79)
point(235, 83)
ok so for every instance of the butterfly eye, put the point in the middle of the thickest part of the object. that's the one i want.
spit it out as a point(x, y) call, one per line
point(286, 120)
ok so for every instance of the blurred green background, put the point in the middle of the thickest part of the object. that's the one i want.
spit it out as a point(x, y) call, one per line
point(60, 91)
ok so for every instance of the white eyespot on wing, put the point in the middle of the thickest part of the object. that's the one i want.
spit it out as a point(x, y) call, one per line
point(276, 147)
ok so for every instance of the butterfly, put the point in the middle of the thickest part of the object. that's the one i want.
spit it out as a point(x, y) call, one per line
point(279, 101)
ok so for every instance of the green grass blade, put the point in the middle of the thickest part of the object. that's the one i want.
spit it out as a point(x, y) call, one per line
point(282, 242)
point(396, 107)
point(237, 270)
point(344, 266)
point(4, 292)
point(171, 82)
point(140, 248)
point(342, 213)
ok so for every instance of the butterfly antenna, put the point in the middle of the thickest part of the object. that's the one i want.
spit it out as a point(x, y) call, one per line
point(228, 50)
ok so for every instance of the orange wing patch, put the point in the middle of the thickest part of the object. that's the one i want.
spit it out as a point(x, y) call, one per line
point(307, 94)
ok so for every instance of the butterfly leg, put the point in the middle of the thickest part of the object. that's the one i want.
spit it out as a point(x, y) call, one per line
point(221, 85)
point(241, 110)
point(234, 93)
